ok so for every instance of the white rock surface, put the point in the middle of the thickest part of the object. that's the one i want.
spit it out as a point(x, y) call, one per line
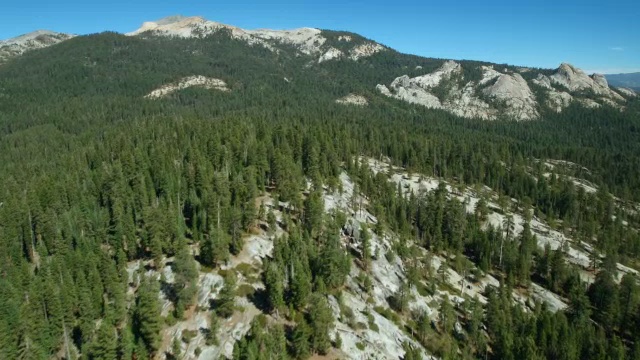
point(488, 74)
point(557, 100)
point(514, 91)
point(331, 54)
point(308, 41)
point(198, 81)
point(365, 50)
point(353, 99)
point(465, 103)
point(627, 92)
point(589, 103)
point(575, 79)
point(35, 40)
point(433, 79)
point(460, 101)
point(553, 301)
point(544, 81)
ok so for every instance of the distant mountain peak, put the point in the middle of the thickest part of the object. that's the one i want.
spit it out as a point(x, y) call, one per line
point(34, 40)
point(30, 36)
point(307, 40)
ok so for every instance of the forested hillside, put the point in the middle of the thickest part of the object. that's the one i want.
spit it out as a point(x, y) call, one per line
point(112, 203)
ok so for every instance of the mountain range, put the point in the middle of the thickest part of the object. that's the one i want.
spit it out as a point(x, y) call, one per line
point(629, 80)
point(466, 89)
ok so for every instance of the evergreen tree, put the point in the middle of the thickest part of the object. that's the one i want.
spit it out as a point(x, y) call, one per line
point(186, 276)
point(147, 315)
point(301, 340)
point(225, 303)
point(320, 320)
point(274, 284)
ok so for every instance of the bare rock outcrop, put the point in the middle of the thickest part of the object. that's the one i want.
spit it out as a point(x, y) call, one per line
point(353, 99)
point(627, 92)
point(589, 103)
point(510, 90)
point(191, 81)
point(35, 40)
point(331, 54)
point(514, 92)
point(365, 50)
point(576, 80)
point(417, 90)
point(308, 41)
point(557, 100)
point(466, 104)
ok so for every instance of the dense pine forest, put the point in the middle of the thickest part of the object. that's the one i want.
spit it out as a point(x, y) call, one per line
point(95, 177)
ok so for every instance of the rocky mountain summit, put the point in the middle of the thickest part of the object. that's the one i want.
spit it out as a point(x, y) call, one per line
point(307, 41)
point(35, 40)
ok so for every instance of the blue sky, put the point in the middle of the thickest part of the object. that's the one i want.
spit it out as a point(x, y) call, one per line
point(598, 36)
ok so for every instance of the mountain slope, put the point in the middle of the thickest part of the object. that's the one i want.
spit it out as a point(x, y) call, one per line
point(35, 40)
point(466, 89)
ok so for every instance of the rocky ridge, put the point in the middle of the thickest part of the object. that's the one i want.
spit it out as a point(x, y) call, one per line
point(506, 93)
point(35, 40)
point(510, 92)
point(308, 41)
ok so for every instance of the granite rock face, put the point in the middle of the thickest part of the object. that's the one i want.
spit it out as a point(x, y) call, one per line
point(35, 40)
point(471, 99)
point(504, 93)
point(576, 80)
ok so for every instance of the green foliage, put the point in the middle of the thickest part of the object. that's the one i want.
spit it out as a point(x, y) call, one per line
point(274, 284)
point(320, 320)
point(95, 176)
point(225, 302)
point(147, 321)
point(186, 277)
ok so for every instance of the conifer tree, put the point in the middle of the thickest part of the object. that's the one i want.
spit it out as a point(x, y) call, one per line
point(274, 285)
point(320, 320)
point(186, 276)
point(226, 298)
point(147, 315)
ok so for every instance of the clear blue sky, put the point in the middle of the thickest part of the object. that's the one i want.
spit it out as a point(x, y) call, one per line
point(602, 35)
